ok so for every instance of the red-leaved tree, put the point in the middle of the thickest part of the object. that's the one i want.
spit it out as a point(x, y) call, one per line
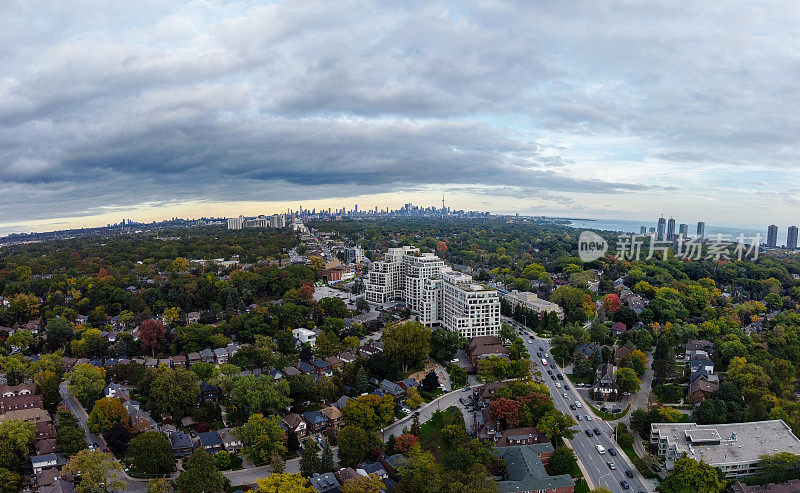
point(507, 410)
point(151, 332)
point(405, 442)
point(610, 303)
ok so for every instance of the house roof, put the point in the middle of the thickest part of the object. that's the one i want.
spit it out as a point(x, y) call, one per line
point(180, 440)
point(325, 483)
point(314, 417)
point(703, 385)
point(59, 486)
point(526, 471)
point(331, 413)
point(209, 438)
point(293, 420)
point(391, 387)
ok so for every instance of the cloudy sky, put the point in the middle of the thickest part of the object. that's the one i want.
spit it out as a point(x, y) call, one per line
point(153, 109)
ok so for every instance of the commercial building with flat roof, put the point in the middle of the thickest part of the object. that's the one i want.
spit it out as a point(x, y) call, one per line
point(735, 447)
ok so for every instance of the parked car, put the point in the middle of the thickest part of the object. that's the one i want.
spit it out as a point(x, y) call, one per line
point(462, 401)
point(616, 410)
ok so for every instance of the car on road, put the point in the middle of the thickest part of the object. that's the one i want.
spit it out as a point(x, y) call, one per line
point(612, 451)
point(629, 473)
point(600, 449)
point(566, 387)
point(588, 433)
point(553, 377)
point(578, 416)
point(597, 431)
point(462, 401)
point(588, 418)
point(538, 354)
point(564, 396)
point(611, 465)
point(93, 446)
point(549, 372)
point(572, 406)
point(616, 410)
point(560, 376)
point(558, 385)
point(466, 389)
point(625, 485)
point(541, 349)
point(578, 403)
point(553, 366)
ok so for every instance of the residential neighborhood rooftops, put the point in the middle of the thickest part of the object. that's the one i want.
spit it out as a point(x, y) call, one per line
point(525, 471)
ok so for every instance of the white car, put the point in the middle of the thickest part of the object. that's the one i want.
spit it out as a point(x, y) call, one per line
point(579, 417)
point(564, 395)
point(558, 385)
point(454, 360)
point(588, 418)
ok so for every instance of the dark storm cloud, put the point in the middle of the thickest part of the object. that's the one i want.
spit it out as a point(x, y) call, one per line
point(111, 104)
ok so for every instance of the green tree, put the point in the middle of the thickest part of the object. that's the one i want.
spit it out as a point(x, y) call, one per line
point(261, 437)
point(563, 461)
point(151, 452)
point(369, 411)
point(309, 459)
point(690, 476)
point(9, 481)
point(86, 383)
point(59, 332)
point(557, 424)
point(413, 399)
point(627, 380)
point(260, 394)
point(70, 437)
point(200, 475)
point(326, 462)
point(105, 413)
point(445, 344)
point(283, 483)
point(407, 344)
point(47, 383)
point(99, 472)
point(355, 444)
point(364, 484)
point(175, 390)
point(159, 485)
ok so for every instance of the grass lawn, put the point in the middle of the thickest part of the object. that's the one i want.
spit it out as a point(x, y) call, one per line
point(669, 393)
point(640, 463)
point(581, 486)
point(608, 416)
point(430, 439)
point(575, 379)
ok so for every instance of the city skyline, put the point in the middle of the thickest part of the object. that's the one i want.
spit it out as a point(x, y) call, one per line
point(580, 110)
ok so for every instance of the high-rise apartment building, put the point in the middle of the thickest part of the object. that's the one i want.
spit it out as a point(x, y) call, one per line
point(642, 230)
point(772, 235)
point(791, 238)
point(683, 230)
point(671, 229)
point(436, 293)
point(236, 222)
point(662, 226)
point(701, 230)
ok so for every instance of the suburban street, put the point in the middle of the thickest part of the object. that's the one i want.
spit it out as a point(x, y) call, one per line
point(595, 464)
point(427, 410)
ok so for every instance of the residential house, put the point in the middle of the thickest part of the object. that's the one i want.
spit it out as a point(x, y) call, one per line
point(296, 425)
point(605, 384)
point(393, 389)
point(42, 462)
point(17, 390)
point(346, 357)
point(702, 373)
point(791, 486)
point(45, 430)
point(701, 389)
point(521, 436)
point(192, 318)
point(586, 350)
point(523, 469)
point(316, 421)
point(207, 356)
point(50, 476)
point(341, 402)
point(482, 352)
point(193, 358)
point(485, 426)
point(333, 415)
point(181, 444)
point(345, 473)
point(699, 345)
point(34, 415)
point(141, 421)
point(372, 467)
point(18, 402)
point(699, 362)
point(58, 486)
point(179, 361)
point(305, 368)
point(335, 362)
point(221, 355)
point(620, 353)
point(304, 336)
point(408, 383)
point(392, 464)
point(210, 441)
point(325, 483)
point(291, 371)
point(230, 442)
point(618, 329)
point(151, 363)
point(45, 446)
point(322, 367)
point(209, 392)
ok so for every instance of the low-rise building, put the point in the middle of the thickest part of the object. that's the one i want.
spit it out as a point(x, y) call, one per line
point(605, 384)
point(523, 470)
point(734, 447)
point(532, 302)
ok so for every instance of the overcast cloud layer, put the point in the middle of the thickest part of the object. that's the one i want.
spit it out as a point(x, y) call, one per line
point(587, 108)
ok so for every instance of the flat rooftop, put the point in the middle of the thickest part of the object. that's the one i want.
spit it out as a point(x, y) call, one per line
point(729, 443)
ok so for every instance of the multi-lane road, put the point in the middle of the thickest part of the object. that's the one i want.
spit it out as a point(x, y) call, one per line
point(594, 463)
